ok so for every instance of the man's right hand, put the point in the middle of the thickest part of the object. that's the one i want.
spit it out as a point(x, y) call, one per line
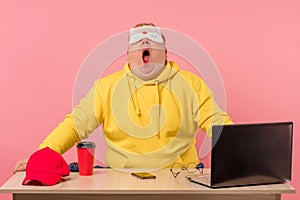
point(21, 165)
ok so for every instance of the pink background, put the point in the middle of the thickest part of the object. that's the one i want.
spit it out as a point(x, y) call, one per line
point(255, 44)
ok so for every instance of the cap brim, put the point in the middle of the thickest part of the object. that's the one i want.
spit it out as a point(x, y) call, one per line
point(42, 177)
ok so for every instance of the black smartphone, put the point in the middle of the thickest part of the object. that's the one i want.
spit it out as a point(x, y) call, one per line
point(143, 175)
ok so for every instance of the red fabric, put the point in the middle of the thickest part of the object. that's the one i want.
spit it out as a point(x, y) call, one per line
point(45, 166)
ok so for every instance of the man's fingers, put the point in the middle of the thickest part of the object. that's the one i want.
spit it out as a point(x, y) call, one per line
point(21, 165)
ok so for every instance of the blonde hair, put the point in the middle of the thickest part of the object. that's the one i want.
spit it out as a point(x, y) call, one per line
point(143, 24)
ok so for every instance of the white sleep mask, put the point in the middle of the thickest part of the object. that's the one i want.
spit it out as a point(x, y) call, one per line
point(149, 32)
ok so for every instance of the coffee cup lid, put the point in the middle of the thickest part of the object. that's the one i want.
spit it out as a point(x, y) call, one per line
point(86, 145)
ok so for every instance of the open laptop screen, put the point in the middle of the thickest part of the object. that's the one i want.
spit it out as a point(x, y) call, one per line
point(249, 154)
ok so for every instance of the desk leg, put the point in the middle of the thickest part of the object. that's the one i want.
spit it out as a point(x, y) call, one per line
point(146, 197)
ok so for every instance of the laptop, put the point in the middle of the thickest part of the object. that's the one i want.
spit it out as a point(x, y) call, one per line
point(249, 154)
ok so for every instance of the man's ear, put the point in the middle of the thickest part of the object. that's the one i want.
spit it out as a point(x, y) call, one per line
point(166, 52)
point(166, 61)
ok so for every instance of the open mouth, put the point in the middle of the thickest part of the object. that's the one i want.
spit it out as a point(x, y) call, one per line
point(146, 56)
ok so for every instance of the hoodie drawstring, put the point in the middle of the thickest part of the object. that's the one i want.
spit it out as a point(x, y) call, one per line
point(158, 108)
point(135, 100)
point(168, 74)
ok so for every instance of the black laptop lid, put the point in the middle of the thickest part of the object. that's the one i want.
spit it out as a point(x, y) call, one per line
point(248, 154)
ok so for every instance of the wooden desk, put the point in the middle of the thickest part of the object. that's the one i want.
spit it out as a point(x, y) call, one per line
point(110, 184)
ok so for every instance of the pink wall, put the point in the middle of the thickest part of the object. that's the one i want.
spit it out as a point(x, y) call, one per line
point(255, 44)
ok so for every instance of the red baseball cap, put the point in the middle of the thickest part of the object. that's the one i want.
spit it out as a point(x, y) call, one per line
point(45, 166)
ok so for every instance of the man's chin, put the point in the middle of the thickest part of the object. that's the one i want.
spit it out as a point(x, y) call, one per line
point(148, 72)
point(146, 68)
point(149, 75)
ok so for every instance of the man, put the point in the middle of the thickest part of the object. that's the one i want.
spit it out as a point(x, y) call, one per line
point(149, 111)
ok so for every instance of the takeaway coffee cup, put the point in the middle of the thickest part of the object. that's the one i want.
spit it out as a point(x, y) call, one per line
point(85, 153)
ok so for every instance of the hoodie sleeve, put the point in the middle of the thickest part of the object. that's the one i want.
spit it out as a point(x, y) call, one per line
point(207, 112)
point(76, 126)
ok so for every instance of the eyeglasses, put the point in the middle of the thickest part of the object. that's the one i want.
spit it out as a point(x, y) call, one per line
point(191, 167)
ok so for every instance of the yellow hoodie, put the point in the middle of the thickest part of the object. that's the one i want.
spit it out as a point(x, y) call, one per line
point(146, 124)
